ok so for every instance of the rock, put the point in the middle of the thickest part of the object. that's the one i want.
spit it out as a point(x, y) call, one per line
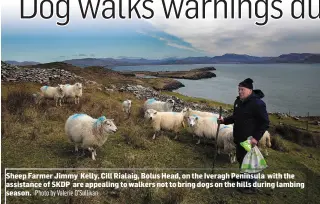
point(109, 90)
point(173, 86)
point(316, 123)
point(42, 76)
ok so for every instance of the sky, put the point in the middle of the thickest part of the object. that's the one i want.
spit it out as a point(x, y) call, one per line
point(42, 40)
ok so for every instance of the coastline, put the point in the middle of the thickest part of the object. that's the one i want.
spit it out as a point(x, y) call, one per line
point(192, 74)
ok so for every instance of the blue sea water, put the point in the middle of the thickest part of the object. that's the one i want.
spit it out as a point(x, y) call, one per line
point(290, 88)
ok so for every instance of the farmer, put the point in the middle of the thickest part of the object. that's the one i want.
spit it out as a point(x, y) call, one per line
point(250, 118)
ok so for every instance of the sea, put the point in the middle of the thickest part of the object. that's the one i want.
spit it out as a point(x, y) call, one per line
point(288, 88)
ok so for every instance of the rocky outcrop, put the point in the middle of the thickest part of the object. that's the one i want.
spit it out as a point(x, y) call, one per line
point(192, 74)
point(145, 93)
point(11, 73)
point(173, 86)
point(204, 69)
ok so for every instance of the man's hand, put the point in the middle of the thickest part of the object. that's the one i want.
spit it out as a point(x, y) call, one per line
point(253, 142)
point(220, 121)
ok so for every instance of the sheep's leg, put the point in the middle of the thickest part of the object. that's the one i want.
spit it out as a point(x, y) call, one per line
point(176, 137)
point(154, 135)
point(219, 151)
point(198, 141)
point(93, 155)
point(76, 148)
point(60, 99)
point(266, 152)
point(75, 100)
point(231, 158)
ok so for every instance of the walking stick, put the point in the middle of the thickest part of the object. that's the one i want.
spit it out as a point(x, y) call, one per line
point(216, 143)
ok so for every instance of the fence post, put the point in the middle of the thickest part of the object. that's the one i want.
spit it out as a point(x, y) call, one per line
point(308, 122)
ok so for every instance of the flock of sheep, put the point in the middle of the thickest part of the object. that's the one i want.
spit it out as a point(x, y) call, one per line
point(202, 124)
point(61, 92)
point(90, 133)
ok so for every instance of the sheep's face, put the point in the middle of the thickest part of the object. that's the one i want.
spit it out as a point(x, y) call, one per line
point(186, 111)
point(170, 102)
point(109, 126)
point(192, 120)
point(78, 85)
point(60, 88)
point(150, 114)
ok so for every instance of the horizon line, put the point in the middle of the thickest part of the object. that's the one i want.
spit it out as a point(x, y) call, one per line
point(124, 57)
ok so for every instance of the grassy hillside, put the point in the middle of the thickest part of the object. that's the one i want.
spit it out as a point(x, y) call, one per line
point(33, 136)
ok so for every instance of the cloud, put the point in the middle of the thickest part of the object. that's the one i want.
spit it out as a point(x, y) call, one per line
point(79, 55)
point(174, 42)
point(219, 36)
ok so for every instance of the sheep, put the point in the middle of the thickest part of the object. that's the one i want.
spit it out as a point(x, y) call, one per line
point(265, 142)
point(126, 107)
point(73, 91)
point(165, 121)
point(225, 142)
point(203, 126)
point(159, 106)
point(90, 133)
point(49, 92)
point(207, 127)
point(189, 112)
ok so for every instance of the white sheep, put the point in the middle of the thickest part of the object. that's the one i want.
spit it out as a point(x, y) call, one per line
point(265, 142)
point(171, 121)
point(203, 126)
point(56, 93)
point(73, 91)
point(189, 112)
point(159, 106)
point(126, 107)
point(225, 142)
point(207, 127)
point(89, 132)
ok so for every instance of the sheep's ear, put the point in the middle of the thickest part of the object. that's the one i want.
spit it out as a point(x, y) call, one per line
point(197, 118)
point(155, 112)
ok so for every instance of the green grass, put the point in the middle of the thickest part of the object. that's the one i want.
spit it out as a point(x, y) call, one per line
point(34, 137)
point(198, 100)
point(301, 123)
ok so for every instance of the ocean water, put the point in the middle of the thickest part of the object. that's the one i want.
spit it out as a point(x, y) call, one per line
point(290, 88)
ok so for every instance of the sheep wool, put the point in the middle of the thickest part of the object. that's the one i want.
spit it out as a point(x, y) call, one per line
point(55, 93)
point(171, 121)
point(90, 133)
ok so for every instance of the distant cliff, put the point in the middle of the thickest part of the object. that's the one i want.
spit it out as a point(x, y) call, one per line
point(224, 59)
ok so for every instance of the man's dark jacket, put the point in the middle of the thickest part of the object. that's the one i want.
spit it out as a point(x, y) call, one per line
point(250, 117)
